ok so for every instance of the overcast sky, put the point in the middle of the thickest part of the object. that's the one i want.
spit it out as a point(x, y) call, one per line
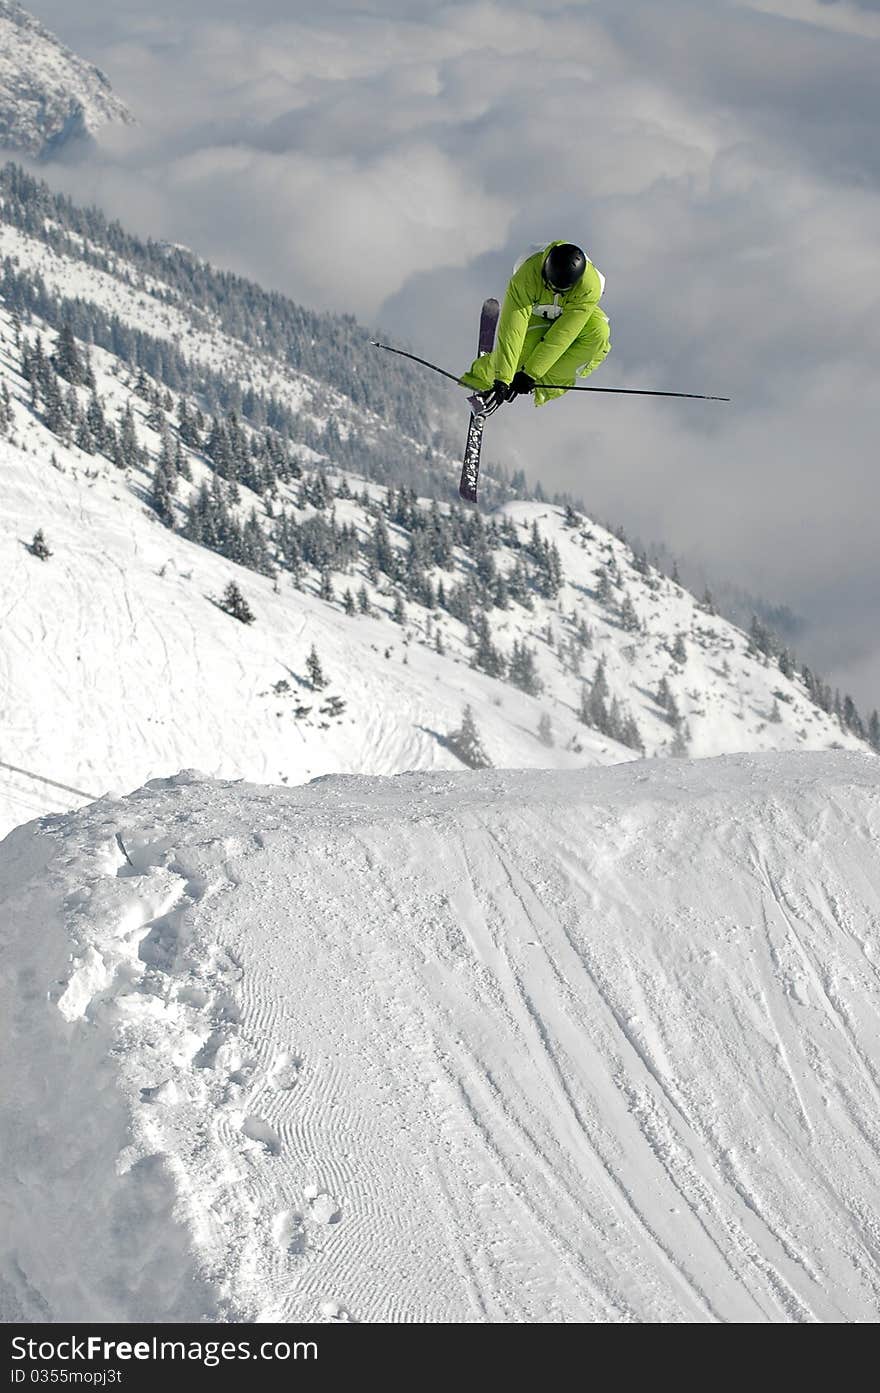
point(718, 159)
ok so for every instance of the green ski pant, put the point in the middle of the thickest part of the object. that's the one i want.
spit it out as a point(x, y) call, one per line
point(581, 358)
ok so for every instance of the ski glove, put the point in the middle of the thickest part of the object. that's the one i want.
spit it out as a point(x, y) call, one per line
point(503, 390)
point(521, 385)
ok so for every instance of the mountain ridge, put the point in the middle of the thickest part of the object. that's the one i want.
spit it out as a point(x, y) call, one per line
point(49, 97)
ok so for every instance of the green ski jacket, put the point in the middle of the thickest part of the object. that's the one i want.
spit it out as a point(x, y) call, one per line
point(529, 299)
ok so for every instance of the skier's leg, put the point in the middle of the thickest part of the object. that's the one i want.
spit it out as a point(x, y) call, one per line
point(482, 371)
point(481, 374)
point(586, 353)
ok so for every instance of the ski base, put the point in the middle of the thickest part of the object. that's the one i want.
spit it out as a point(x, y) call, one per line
point(482, 404)
point(488, 324)
point(470, 470)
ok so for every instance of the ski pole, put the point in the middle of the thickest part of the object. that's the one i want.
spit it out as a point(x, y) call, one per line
point(424, 362)
point(615, 391)
point(634, 392)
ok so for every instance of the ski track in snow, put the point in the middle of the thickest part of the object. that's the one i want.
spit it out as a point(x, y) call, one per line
point(555, 1046)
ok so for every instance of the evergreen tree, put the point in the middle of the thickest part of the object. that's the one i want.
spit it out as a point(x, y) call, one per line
point(187, 427)
point(316, 675)
point(39, 546)
point(160, 497)
point(363, 600)
point(604, 590)
point(630, 734)
point(664, 695)
point(67, 360)
point(466, 745)
point(398, 614)
point(55, 414)
point(572, 656)
point(5, 410)
point(348, 603)
point(518, 584)
point(97, 422)
point(500, 593)
point(545, 730)
point(181, 462)
point(679, 651)
point(486, 657)
point(595, 699)
point(219, 451)
point(383, 555)
point(786, 662)
point(252, 550)
point(629, 617)
point(852, 721)
point(88, 371)
point(167, 455)
point(128, 452)
point(760, 639)
point(679, 747)
point(84, 439)
point(522, 671)
point(234, 603)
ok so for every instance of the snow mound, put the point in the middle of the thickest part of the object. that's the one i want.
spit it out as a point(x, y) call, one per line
point(590, 1045)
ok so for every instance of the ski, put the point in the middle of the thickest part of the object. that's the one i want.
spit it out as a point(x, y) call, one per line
point(488, 324)
point(480, 409)
point(470, 469)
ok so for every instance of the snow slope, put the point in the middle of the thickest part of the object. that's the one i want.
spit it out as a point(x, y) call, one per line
point(116, 667)
point(593, 1045)
point(47, 94)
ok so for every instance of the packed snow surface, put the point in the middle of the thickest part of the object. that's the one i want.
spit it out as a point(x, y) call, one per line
point(573, 1045)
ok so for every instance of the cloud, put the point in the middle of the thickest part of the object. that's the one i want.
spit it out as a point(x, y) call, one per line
point(843, 16)
point(717, 158)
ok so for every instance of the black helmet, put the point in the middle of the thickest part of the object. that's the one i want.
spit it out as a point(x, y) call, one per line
point(563, 267)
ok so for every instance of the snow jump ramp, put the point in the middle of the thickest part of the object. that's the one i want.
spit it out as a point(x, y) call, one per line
point(593, 1045)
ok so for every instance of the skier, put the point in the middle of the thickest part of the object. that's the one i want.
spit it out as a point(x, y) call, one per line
point(551, 328)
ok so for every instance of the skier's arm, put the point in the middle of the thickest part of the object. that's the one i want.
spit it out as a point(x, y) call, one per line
point(558, 338)
point(515, 315)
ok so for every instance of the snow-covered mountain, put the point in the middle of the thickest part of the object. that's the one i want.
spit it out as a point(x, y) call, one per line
point(48, 96)
point(118, 663)
point(584, 1045)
